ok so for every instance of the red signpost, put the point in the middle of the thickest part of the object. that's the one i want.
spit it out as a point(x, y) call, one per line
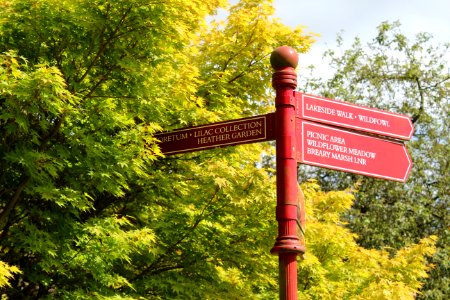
point(328, 147)
point(298, 126)
point(348, 115)
point(287, 245)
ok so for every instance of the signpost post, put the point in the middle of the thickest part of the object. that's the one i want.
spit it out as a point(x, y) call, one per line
point(287, 245)
point(304, 127)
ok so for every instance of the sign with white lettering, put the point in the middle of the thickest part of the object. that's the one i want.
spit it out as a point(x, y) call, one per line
point(235, 132)
point(317, 144)
point(343, 114)
point(325, 146)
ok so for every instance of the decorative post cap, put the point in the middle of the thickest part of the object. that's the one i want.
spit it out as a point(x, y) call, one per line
point(284, 57)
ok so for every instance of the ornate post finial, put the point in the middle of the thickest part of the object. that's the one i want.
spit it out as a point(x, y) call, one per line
point(284, 60)
point(284, 57)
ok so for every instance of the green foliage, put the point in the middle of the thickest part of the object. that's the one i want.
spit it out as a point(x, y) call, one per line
point(89, 208)
point(6, 273)
point(412, 78)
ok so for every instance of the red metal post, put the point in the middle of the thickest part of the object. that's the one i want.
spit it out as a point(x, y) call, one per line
point(284, 60)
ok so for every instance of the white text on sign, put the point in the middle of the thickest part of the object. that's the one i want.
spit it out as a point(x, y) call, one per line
point(346, 115)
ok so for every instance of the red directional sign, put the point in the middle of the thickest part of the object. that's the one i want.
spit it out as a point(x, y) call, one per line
point(325, 146)
point(235, 132)
point(343, 114)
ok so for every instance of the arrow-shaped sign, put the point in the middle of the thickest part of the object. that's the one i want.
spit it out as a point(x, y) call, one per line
point(329, 147)
point(343, 114)
point(234, 132)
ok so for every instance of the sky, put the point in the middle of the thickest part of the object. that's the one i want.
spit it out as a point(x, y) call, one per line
point(361, 18)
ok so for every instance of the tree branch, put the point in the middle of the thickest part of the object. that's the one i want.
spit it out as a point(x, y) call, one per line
point(103, 46)
point(153, 266)
point(4, 216)
point(416, 117)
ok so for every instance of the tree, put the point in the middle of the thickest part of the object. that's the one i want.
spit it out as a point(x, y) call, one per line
point(408, 77)
point(89, 207)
